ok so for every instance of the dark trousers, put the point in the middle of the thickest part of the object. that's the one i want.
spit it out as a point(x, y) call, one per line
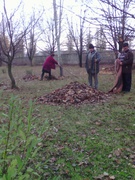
point(127, 78)
point(45, 71)
point(92, 77)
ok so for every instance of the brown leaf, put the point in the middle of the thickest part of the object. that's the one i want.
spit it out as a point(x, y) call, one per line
point(117, 152)
point(112, 177)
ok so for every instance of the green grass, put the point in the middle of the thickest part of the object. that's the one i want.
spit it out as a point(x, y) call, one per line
point(77, 143)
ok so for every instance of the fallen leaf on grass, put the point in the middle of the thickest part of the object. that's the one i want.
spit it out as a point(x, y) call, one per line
point(118, 129)
point(98, 123)
point(53, 159)
point(74, 165)
point(40, 144)
point(110, 156)
point(112, 177)
point(93, 131)
point(100, 177)
point(117, 152)
point(104, 176)
point(30, 77)
point(132, 156)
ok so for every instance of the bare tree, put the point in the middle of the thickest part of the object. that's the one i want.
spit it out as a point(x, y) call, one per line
point(77, 35)
point(70, 43)
point(89, 37)
point(125, 30)
point(58, 12)
point(11, 32)
point(116, 22)
point(32, 36)
point(30, 45)
point(100, 41)
point(47, 37)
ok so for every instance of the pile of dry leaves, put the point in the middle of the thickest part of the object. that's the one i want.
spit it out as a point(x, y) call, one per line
point(74, 93)
point(30, 77)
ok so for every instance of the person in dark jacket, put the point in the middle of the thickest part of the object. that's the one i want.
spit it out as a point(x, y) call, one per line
point(126, 62)
point(49, 64)
point(92, 66)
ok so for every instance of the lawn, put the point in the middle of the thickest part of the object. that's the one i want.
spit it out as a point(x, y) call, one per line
point(45, 142)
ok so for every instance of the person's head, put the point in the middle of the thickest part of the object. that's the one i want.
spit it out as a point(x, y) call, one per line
point(125, 46)
point(52, 53)
point(91, 47)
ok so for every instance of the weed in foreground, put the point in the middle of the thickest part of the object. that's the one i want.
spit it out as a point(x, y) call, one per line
point(18, 143)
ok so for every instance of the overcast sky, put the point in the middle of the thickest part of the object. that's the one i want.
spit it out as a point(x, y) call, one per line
point(72, 8)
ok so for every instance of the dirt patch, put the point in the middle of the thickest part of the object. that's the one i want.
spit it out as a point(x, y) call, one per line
point(74, 93)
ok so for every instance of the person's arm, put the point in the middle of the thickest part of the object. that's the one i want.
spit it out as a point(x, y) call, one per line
point(86, 63)
point(59, 65)
point(98, 57)
point(55, 62)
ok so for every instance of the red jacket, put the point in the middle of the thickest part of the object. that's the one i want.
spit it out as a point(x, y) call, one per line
point(49, 63)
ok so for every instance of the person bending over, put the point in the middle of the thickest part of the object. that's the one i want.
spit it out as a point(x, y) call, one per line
point(49, 64)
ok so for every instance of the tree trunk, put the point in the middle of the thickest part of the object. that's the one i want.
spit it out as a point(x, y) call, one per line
point(31, 64)
point(13, 83)
point(59, 59)
point(58, 33)
point(80, 59)
point(61, 71)
point(81, 47)
point(120, 45)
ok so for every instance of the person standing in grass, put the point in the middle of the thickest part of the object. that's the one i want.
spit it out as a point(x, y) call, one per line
point(126, 62)
point(92, 66)
point(49, 64)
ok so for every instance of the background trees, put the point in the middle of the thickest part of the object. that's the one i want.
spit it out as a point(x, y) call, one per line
point(77, 32)
point(11, 37)
point(116, 22)
point(13, 30)
point(64, 26)
point(58, 13)
point(33, 35)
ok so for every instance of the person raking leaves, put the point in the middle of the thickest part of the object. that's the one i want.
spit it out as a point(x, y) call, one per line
point(49, 64)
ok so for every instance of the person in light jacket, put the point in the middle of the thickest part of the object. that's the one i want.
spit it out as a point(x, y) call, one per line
point(92, 66)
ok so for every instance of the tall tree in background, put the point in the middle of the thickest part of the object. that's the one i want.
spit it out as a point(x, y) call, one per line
point(12, 31)
point(70, 43)
point(10, 27)
point(77, 34)
point(47, 37)
point(31, 46)
point(116, 20)
point(116, 23)
point(32, 36)
point(58, 12)
point(3, 44)
point(100, 42)
point(89, 38)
